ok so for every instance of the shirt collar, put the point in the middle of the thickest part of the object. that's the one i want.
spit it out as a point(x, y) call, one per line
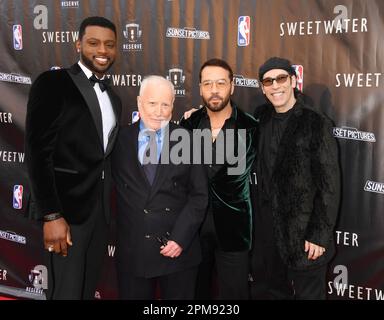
point(87, 72)
point(159, 132)
point(234, 111)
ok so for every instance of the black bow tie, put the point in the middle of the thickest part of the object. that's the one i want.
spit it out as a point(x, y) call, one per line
point(103, 84)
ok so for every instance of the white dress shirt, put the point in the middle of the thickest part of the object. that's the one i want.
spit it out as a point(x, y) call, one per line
point(107, 114)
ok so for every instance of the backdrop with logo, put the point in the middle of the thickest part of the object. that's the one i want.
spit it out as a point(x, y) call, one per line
point(334, 45)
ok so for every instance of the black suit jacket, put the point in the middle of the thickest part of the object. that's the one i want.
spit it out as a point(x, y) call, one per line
point(175, 203)
point(305, 184)
point(68, 170)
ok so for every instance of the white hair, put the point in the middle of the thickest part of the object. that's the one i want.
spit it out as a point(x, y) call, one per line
point(156, 79)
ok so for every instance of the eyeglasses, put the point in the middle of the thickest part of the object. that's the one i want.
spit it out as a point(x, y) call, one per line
point(280, 79)
point(208, 84)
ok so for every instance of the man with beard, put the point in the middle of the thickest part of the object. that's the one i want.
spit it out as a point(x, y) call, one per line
point(226, 231)
point(71, 126)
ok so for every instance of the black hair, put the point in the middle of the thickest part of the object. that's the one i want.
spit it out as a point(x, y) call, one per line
point(276, 63)
point(96, 21)
point(215, 62)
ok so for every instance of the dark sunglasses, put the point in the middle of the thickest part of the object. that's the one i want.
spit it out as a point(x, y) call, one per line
point(280, 79)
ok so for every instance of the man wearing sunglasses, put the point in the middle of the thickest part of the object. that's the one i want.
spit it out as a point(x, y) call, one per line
point(298, 191)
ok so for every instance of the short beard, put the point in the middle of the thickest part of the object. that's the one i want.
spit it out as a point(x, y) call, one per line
point(219, 107)
point(89, 64)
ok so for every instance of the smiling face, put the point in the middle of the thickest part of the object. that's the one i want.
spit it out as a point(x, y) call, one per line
point(280, 95)
point(97, 49)
point(156, 104)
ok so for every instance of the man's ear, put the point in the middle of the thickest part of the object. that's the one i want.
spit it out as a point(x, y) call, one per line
point(78, 45)
point(232, 87)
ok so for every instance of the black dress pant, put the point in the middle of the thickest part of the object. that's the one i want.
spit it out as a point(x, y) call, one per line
point(221, 275)
point(75, 276)
point(273, 280)
point(174, 286)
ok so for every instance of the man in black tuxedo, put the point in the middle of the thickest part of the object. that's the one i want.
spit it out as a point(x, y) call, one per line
point(160, 204)
point(71, 125)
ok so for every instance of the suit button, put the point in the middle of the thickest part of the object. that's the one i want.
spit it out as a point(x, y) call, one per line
point(168, 209)
point(146, 211)
point(175, 184)
point(147, 236)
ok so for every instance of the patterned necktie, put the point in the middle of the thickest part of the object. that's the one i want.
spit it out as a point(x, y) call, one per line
point(150, 160)
point(103, 84)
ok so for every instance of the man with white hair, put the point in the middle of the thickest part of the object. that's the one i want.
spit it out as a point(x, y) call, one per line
point(160, 204)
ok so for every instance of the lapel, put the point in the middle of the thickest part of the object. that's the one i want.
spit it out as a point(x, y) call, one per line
point(287, 137)
point(116, 105)
point(133, 150)
point(85, 87)
point(163, 169)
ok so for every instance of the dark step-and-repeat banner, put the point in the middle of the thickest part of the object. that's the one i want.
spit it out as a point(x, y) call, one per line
point(338, 52)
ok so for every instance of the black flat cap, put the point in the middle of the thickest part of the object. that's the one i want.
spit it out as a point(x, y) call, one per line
point(276, 63)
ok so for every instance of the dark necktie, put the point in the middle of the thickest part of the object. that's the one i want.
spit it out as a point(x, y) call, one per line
point(103, 84)
point(150, 157)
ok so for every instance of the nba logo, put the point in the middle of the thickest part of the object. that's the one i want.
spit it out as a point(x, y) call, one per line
point(243, 31)
point(135, 116)
point(299, 76)
point(17, 196)
point(17, 37)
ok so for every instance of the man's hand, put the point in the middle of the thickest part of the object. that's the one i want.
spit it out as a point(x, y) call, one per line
point(188, 113)
point(314, 251)
point(57, 236)
point(172, 249)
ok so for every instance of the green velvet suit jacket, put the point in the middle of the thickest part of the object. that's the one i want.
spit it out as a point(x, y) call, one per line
point(229, 195)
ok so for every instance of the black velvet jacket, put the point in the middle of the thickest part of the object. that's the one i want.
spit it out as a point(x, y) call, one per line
point(229, 195)
point(305, 184)
point(68, 170)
